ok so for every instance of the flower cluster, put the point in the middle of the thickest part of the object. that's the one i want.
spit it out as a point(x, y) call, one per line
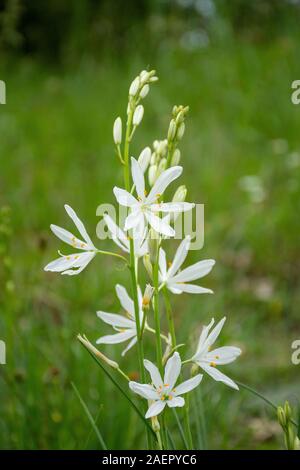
point(147, 228)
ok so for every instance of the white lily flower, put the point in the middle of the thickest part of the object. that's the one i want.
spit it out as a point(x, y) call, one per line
point(122, 240)
point(144, 208)
point(178, 281)
point(162, 391)
point(74, 263)
point(209, 359)
point(125, 326)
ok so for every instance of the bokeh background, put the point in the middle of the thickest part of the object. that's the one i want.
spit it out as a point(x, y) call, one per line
point(67, 68)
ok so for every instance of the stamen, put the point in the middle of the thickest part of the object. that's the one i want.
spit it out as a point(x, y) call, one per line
point(213, 364)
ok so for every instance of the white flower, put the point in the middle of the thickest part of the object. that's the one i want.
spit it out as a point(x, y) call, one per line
point(125, 326)
point(176, 280)
point(121, 238)
point(144, 207)
point(138, 115)
point(117, 131)
point(162, 391)
point(209, 359)
point(74, 263)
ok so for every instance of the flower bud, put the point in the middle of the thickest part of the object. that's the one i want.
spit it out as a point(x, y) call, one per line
point(172, 130)
point(180, 194)
point(138, 115)
point(144, 91)
point(152, 174)
point(180, 131)
point(134, 86)
point(287, 411)
point(155, 424)
point(147, 296)
point(147, 265)
point(162, 165)
point(96, 352)
point(144, 158)
point(153, 243)
point(176, 158)
point(117, 131)
point(194, 369)
point(281, 416)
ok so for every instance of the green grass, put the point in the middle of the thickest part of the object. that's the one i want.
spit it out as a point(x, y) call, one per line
point(56, 147)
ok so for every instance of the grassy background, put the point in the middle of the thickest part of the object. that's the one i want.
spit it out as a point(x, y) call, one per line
point(56, 147)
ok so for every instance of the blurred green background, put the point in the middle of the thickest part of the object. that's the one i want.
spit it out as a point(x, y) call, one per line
point(67, 68)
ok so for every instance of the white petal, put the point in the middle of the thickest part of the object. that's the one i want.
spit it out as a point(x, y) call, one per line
point(163, 182)
point(190, 288)
point(154, 373)
point(172, 370)
point(80, 263)
point(129, 346)
point(223, 355)
point(159, 225)
point(162, 263)
point(116, 320)
point(172, 207)
point(117, 338)
point(196, 271)
point(180, 256)
point(68, 237)
point(61, 263)
point(80, 227)
point(211, 338)
point(124, 198)
point(144, 390)
point(134, 219)
point(138, 178)
point(188, 385)
point(125, 300)
point(202, 339)
point(118, 236)
point(155, 408)
point(176, 401)
point(218, 376)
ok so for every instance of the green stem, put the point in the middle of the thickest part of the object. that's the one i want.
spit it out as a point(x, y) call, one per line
point(134, 282)
point(174, 343)
point(156, 318)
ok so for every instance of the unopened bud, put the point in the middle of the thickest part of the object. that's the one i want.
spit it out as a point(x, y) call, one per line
point(281, 416)
point(144, 158)
point(117, 131)
point(147, 265)
point(144, 91)
point(96, 352)
point(194, 369)
point(172, 130)
point(134, 86)
point(147, 296)
point(153, 243)
point(180, 194)
point(138, 115)
point(162, 165)
point(155, 424)
point(287, 411)
point(176, 158)
point(152, 174)
point(180, 131)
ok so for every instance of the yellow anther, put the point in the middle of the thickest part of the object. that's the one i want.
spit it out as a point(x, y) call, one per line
point(82, 245)
point(68, 257)
point(145, 192)
point(213, 364)
point(217, 357)
point(76, 257)
point(166, 385)
point(169, 264)
point(170, 397)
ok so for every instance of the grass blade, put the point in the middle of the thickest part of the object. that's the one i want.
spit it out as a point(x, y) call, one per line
point(180, 429)
point(90, 417)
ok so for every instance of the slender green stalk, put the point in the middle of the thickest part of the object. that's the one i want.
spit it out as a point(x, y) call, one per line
point(157, 318)
point(133, 271)
point(269, 402)
point(90, 417)
point(115, 383)
point(181, 432)
point(174, 342)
